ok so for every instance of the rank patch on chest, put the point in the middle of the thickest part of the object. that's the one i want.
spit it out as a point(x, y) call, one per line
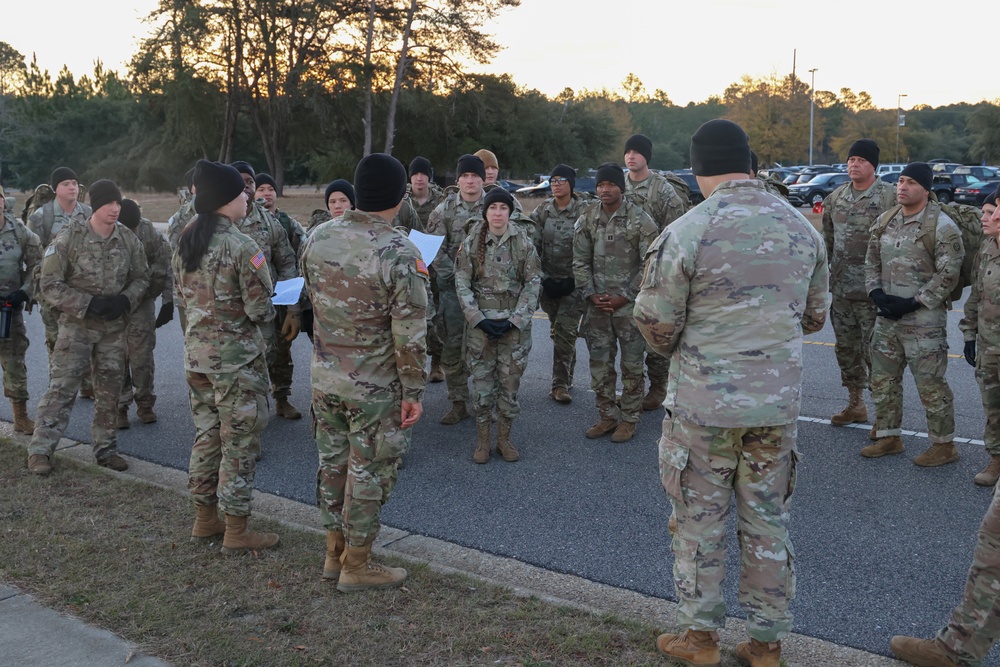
point(258, 259)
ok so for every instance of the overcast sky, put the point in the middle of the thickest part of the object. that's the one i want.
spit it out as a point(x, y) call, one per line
point(690, 49)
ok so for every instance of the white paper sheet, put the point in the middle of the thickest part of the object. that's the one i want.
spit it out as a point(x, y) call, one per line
point(427, 245)
point(286, 292)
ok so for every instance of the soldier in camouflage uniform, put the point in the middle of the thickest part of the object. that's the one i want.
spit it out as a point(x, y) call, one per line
point(176, 224)
point(732, 319)
point(497, 278)
point(20, 255)
point(848, 215)
point(282, 369)
point(911, 288)
point(143, 323)
point(772, 185)
point(425, 195)
point(609, 243)
point(660, 200)
point(452, 219)
point(222, 280)
point(93, 273)
point(368, 287)
point(554, 221)
point(981, 329)
point(492, 168)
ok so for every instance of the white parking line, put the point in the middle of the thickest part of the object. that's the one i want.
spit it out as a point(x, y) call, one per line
point(867, 427)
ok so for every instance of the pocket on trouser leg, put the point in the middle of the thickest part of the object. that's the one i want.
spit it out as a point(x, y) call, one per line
point(793, 466)
point(685, 568)
point(673, 461)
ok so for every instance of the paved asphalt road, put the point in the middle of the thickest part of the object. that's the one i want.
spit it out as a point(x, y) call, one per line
point(882, 546)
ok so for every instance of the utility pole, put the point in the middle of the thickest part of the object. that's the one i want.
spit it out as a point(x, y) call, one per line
point(899, 120)
point(812, 111)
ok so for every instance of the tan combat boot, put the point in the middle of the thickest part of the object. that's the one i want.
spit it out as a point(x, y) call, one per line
point(115, 463)
point(335, 546)
point(505, 447)
point(123, 418)
point(759, 654)
point(697, 648)
point(602, 428)
point(458, 413)
point(989, 475)
point(39, 464)
point(891, 444)
point(145, 414)
point(654, 399)
point(359, 573)
point(22, 424)
point(924, 652)
point(856, 411)
point(238, 539)
point(624, 432)
point(873, 434)
point(286, 410)
point(436, 374)
point(938, 454)
point(483, 442)
point(560, 395)
point(207, 523)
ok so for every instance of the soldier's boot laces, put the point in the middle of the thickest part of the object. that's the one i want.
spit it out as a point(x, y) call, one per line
point(39, 464)
point(122, 419)
point(22, 423)
point(856, 411)
point(759, 654)
point(654, 399)
point(697, 648)
point(483, 442)
point(891, 444)
point(358, 571)
point(436, 374)
point(602, 428)
point(145, 414)
point(938, 454)
point(335, 546)
point(921, 652)
point(207, 524)
point(286, 410)
point(238, 539)
point(989, 475)
point(457, 413)
point(505, 447)
point(624, 432)
point(114, 462)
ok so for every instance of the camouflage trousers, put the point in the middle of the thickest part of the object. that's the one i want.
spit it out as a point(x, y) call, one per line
point(496, 367)
point(452, 354)
point(988, 377)
point(50, 319)
point(83, 346)
point(140, 365)
point(359, 444)
point(281, 367)
point(564, 328)
point(605, 333)
point(853, 321)
point(658, 367)
point(701, 468)
point(975, 624)
point(925, 349)
point(12, 351)
point(229, 411)
point(435, 323)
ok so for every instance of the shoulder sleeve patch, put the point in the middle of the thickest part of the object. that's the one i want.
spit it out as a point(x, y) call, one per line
point(51, 249)
point(258, 259)
point(422, 268)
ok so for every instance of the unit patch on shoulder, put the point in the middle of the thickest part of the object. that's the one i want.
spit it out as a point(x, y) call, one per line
point(422, 268)
point(258, 259)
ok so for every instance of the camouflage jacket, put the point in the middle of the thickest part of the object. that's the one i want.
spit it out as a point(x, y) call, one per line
point(79, 265)
point(434, 197)
point(452, 219)
point(368, 287)
point(269, 235)
point(161, 279)
point(898, 263)
point(608, 250)
point(407, 217)
point(226, 299)
point(505, 285)
point(982, 308)
point(657, 197)
point(178, 221)
point(293, 230)
point(553, 234)
point(848, 216)
point(319, 216)
point(49, 220)
point(727, 293)
point(20, 255)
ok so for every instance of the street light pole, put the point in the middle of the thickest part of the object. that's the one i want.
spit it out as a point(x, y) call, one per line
point(899, 110)
point(812, 109)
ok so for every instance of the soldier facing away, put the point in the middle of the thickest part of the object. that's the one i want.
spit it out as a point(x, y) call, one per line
point(731, 319)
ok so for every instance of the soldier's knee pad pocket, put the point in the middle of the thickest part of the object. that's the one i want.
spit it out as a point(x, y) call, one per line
point(673, 461)
point(391, 441)
point(686, 566)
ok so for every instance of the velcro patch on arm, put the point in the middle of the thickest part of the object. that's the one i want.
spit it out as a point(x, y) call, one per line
point(258, 259)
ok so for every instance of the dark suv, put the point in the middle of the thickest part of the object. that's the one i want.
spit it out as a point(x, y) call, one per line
point(816, 189)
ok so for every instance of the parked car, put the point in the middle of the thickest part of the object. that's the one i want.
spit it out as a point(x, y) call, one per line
point(891, 177)
point(888, 168)
point(509, 186)
point(978, 172)
point(944, 185)
point(976, 192)
point(943, 167)
point(816, 189)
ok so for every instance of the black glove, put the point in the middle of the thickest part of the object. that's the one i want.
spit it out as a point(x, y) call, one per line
point(17, 298)
point(552, 288)
point(970, 352)
point(501, 327)
point(307, 322)
point(166, 313)
point(119, 306)
point(99, 306)
point(486, 326)
point(568, 285)
point(899, 306)
point(879, 298)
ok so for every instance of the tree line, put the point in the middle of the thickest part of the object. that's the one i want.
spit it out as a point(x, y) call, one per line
point(304, 88)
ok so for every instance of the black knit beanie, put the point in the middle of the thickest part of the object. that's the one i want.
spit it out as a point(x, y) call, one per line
point(264, 179)
point(471, 164)
point(611, 172)
point(130, 214)
point(566, 172)
point(217, 184)
point(754, 163)
point(641, 144)
point(189, 177)
point(421, 165)
point(103, 192)
point(720, 147)
point(60, 174)
point(864, 148)
point(921, 173)
point(339, 185)
point(498, 195)
point(379, 182)
point(243, 167)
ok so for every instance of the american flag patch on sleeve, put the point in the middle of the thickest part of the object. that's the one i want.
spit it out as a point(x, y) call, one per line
point(258, 259)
